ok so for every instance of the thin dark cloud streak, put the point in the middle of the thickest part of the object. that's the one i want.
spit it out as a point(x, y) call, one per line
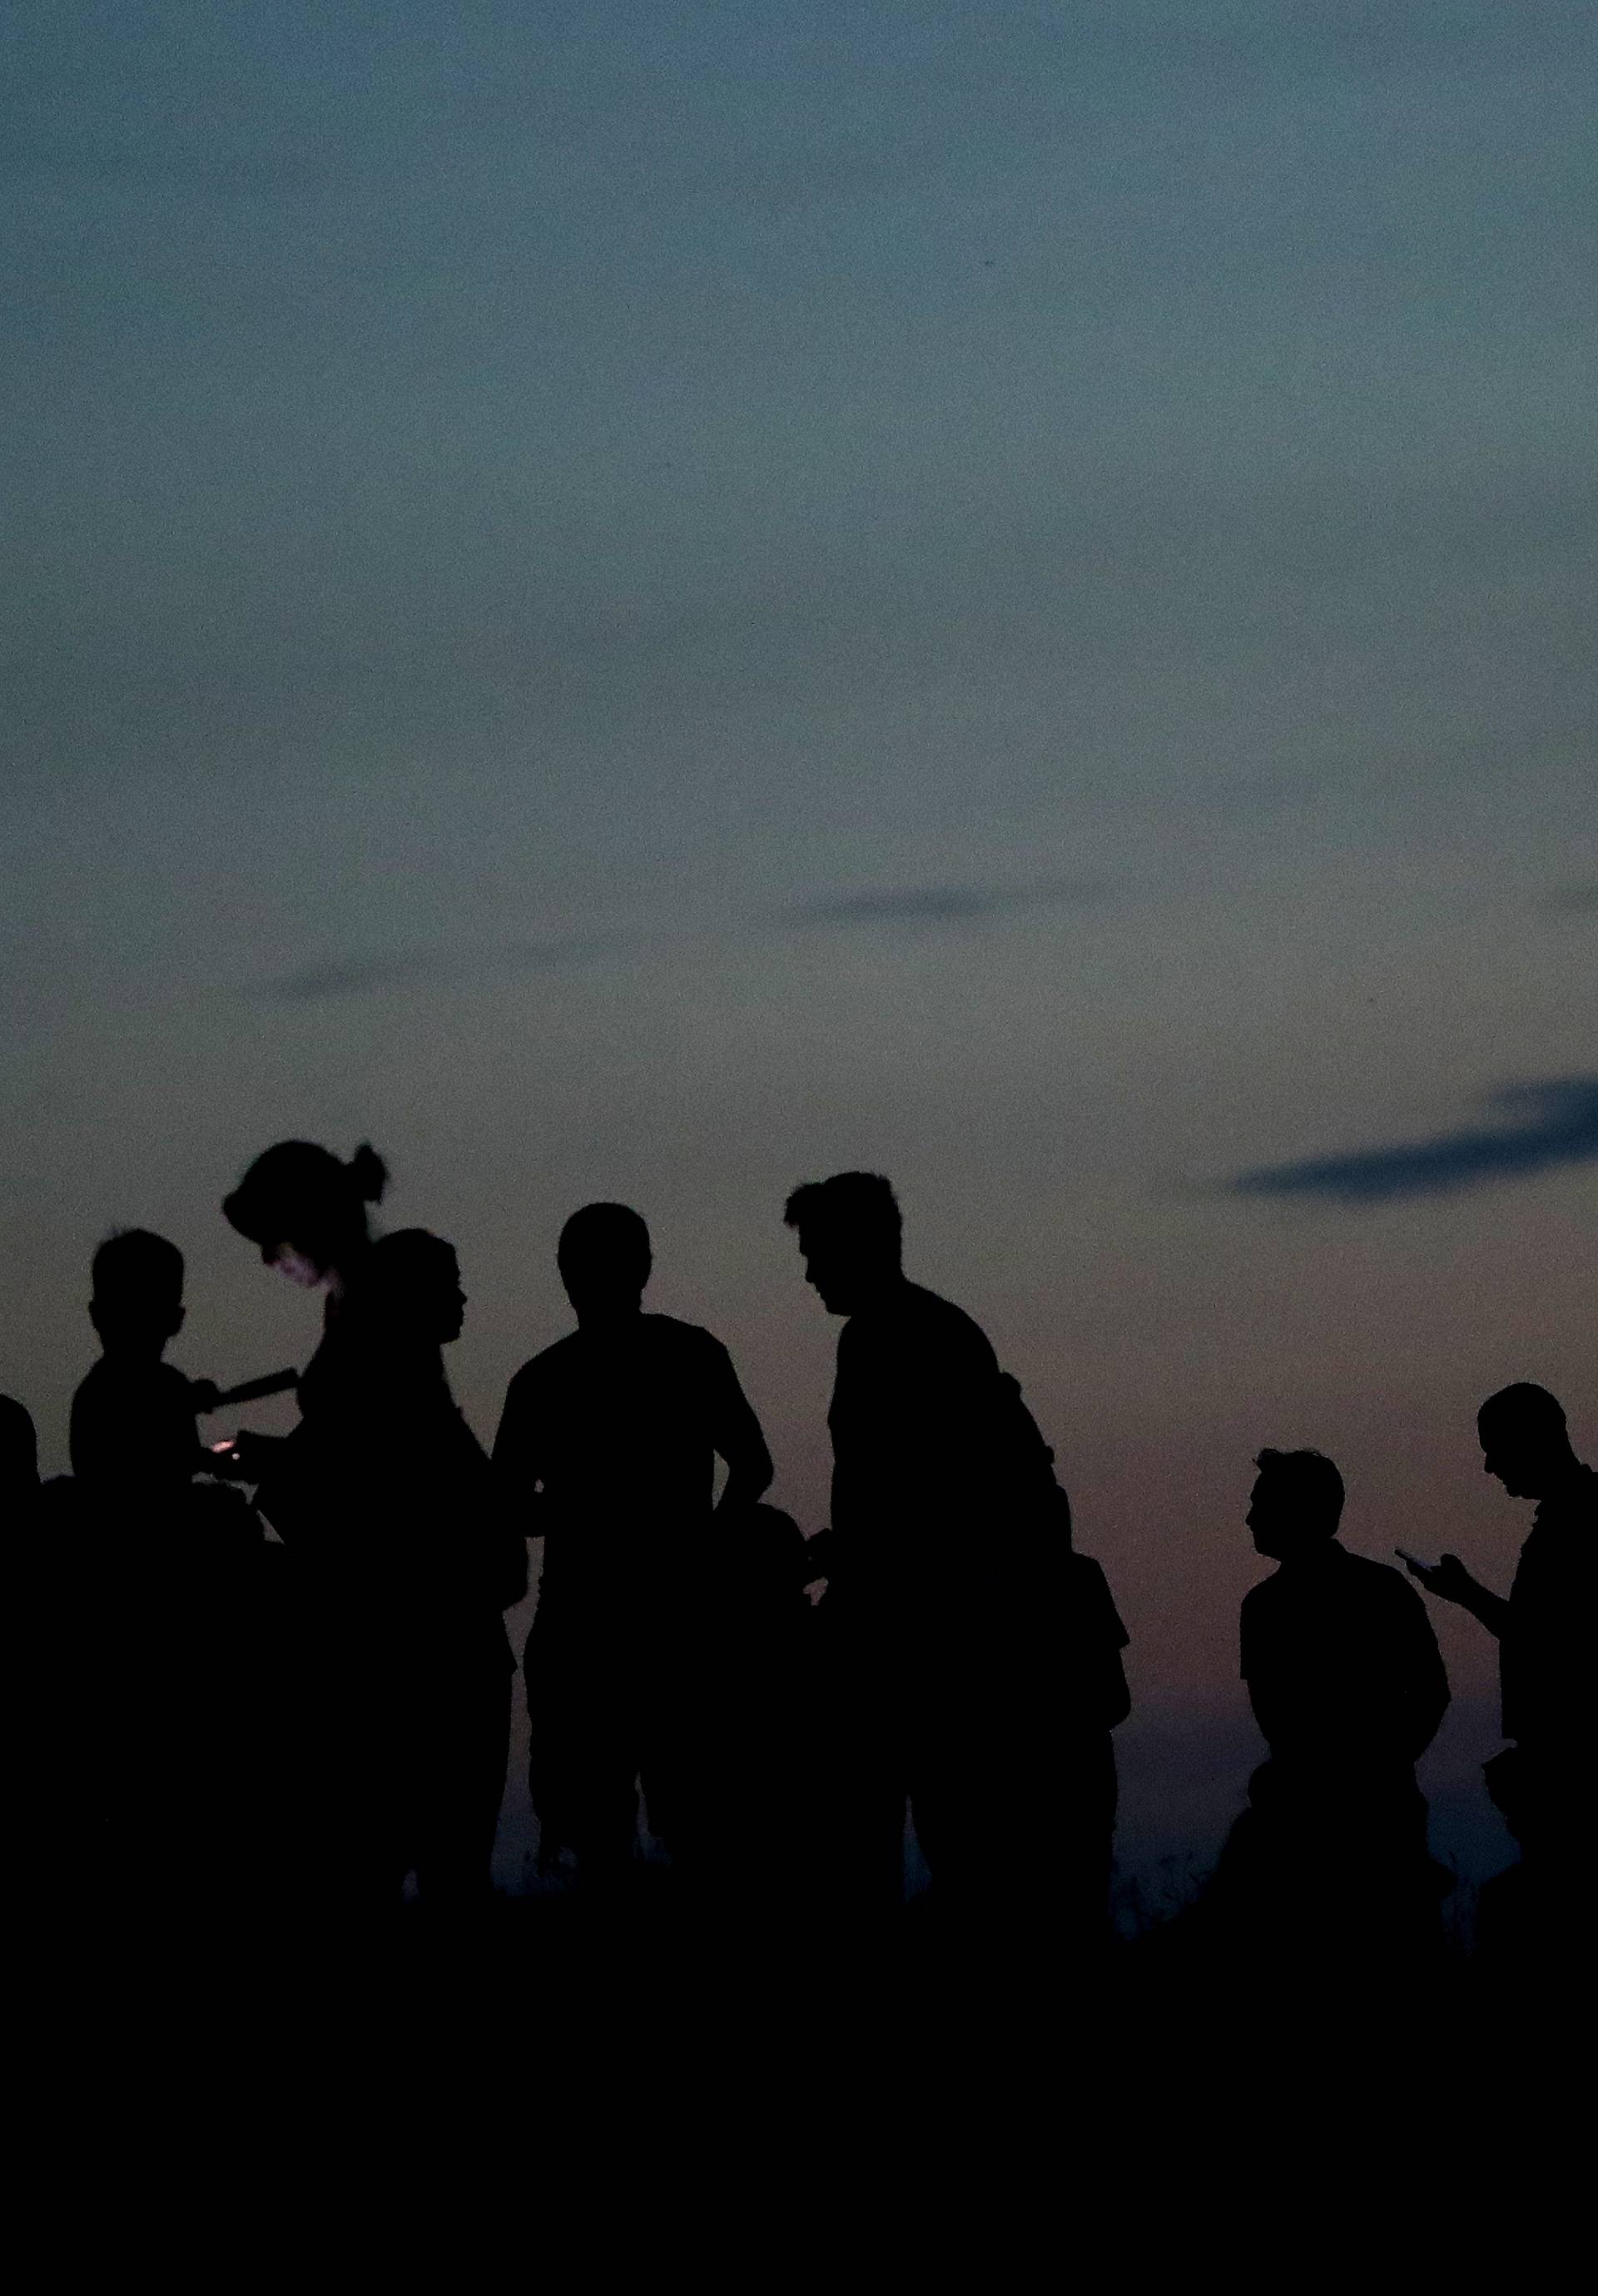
point(936, 905)
point(1552, 1122)
point(946, 906)
point(324, 983)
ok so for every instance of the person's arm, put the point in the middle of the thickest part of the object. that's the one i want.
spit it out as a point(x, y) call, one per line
point(1450, 1580)
point(519, 1456)
point(1429, 1701)
point(736, 1437)
point(1261, 1679)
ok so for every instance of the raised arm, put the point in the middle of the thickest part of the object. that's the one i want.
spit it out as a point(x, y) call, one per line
point(1453, 1583)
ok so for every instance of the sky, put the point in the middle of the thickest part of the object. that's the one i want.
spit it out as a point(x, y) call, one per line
point(650, 602)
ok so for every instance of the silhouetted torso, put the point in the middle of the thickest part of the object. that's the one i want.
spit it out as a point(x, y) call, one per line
point(608, 1447)
point(1341, 1663)
point(933, 1451)
point(618, 1429)
point(133, 1436)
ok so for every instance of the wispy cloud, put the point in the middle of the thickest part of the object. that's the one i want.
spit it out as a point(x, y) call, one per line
point(929, 906)
point(935, 905)
point(323, 983)
point(1547, 1124)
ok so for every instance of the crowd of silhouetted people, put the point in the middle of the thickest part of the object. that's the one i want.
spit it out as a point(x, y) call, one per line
point(311, 1722)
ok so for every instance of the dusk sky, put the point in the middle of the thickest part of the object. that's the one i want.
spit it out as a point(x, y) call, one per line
point(650, 601)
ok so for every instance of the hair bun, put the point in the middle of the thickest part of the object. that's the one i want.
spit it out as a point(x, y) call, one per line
point(369, 1173)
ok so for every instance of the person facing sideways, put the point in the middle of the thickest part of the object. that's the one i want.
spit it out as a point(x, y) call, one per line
point(439, 1565)
point(607, 1448)
point(939, 1558)
point(1544, 1627)
point(308, 1213)
point(1347, 1688)
point(169, 1588)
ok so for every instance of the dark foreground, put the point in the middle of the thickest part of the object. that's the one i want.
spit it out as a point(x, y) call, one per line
point(646, 2096)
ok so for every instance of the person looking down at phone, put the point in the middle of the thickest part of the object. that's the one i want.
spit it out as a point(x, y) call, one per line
point(308, 1213)
point(1544, 1625)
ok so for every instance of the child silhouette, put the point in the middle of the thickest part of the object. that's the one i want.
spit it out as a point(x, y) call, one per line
point(132, 1434)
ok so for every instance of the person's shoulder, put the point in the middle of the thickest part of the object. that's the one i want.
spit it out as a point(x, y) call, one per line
point(1263, 1597)
point(669, 1335)
point(1378, 1581)
point(1090, 1588)
point(548, 1364)
point(942, 1321)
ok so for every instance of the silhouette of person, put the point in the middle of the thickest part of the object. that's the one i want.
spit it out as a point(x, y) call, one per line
point(741, 1791)
point(607, 1447)
point(937, 1557)
point(132, 1438)
point(1544, 1627)
point(440, 1565)
point(165, 1576)
point(308, 1213)
point(1347, 1688)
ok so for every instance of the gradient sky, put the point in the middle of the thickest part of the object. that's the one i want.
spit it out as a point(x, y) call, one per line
point(649, 602)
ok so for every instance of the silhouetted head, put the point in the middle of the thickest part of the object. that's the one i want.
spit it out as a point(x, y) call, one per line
point(1525, 1441)
point(306, 1209)
point(1296, 1504)
point(604, 1259)
point(850, 1237)
point(19, 1452)
point(138, 1290)
point(411, 1289)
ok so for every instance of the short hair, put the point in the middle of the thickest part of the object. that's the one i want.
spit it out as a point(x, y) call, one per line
point(133, 1267)
point(856, 1207)
point(408, 1260)
point(607, 1241)
point(1316, 1483)
point(295, 1184)
point(1528, 1410)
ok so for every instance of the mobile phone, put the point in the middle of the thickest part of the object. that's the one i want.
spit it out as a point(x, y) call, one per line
point(1413, 1562)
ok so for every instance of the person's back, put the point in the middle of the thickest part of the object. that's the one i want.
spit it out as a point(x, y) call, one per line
point(911, 1420)
point(1341, 1663)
